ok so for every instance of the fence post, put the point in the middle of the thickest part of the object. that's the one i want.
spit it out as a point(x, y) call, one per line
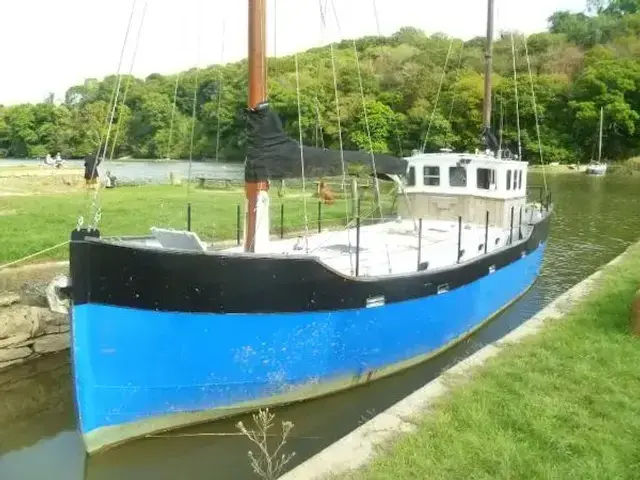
point(358, 238)
point(459, 238)
point(355, 198)
point(319, 216)
point(357, 245)
point(486, 231)
point(511, 228)
point(282, 220)
point(238, 224)
point(419, 242)
point(520, 225)
point(189, 216)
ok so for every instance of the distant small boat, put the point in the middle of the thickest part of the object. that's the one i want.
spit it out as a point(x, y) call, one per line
point(598, 167)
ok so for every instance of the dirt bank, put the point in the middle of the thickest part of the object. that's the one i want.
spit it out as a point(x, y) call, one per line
point(21, 181)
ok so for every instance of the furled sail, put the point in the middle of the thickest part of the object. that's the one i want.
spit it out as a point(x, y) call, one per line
point(272, 155)
point(490, 140)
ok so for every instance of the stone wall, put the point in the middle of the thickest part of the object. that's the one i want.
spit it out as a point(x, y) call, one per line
point(28, 331)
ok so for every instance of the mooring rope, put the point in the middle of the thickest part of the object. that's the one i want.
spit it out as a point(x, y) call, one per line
point(32, 255)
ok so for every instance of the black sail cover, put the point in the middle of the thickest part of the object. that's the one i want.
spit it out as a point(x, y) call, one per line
point(272, 155)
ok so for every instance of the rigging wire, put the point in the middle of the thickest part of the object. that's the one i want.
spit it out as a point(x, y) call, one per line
point(435, 105)
point(304, 186)
point(501, 125)
point(455, 85)
point(95, 211)
point(323, 19)
point(535, 111)
point(195, 96)
point(366, 123)
point(128, 84)
point(319, 133)
point(366, 118)
point(220, 87)
point(275, 37)
point(393, 118)
point(173, 114)
point(515, 87)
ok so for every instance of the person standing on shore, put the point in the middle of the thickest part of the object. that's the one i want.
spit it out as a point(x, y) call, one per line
point(91, 163)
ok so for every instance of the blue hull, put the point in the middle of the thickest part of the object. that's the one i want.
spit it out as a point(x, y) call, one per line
point(133, 366)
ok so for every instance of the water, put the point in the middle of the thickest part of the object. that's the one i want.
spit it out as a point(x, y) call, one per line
point(149, 172)
point(596, 219)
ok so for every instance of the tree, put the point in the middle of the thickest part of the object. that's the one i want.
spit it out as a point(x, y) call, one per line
point(584, 62)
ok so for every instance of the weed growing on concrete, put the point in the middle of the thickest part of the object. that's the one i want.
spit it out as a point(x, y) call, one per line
point(267, 464)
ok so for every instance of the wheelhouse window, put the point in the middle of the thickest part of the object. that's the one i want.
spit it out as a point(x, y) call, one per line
point(457, 177)
point(508, 179)
point(515, 179)
point(431, 176)
point(411, 177)
point(485, 178)
point(520, 179)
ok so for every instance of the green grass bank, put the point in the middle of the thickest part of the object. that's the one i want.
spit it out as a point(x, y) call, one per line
point(564, 404)
point(32, 223)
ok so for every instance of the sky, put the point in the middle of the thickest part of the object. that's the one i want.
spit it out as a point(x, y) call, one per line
point(51, 45)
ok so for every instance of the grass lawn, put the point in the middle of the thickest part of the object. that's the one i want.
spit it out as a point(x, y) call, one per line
point(32, 223)
point(562, 405)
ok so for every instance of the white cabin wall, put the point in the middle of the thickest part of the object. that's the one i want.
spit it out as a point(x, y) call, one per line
point(471, 208)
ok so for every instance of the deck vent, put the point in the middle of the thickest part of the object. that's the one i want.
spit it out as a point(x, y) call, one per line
point(377, 301)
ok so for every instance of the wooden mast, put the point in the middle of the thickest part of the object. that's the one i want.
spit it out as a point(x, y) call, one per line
point(488, 68)
point(257, 95)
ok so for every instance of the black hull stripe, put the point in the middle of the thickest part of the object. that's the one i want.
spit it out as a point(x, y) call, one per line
point(126, 276)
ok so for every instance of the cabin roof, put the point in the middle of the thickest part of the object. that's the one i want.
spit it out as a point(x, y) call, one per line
point(454, 157)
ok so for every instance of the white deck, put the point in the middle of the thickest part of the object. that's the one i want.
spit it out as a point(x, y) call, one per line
point(385, 248)
point(392, 247)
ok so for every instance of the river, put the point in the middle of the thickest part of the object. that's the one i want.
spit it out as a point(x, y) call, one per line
point(596, 219)
point(139, 171)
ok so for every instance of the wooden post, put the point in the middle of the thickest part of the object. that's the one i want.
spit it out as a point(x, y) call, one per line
point(319, 216)
point(189, 216)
